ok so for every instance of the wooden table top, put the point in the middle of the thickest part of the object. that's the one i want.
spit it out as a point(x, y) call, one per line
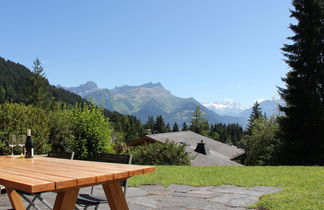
point(41, 174)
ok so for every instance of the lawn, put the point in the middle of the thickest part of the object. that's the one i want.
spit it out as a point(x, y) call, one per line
point(303, 187)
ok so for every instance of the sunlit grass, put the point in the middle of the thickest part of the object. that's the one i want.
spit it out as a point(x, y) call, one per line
point(303, 187)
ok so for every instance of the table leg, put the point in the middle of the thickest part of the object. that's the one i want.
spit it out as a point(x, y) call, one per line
point(65, 200)
point(115, 196)
point(15, 199)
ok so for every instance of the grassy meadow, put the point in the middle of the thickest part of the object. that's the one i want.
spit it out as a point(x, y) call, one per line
point(303, 186)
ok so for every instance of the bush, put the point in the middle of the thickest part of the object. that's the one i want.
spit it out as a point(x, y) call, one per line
point(61, 130)
point(263, 144)
point(16, 118)
point(92, 132)
point(167, 153)
point(83, 129)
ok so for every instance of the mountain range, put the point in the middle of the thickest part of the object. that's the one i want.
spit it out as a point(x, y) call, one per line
point(269, 107)
point(226, 107)
point(150, 99)
point(232, 108)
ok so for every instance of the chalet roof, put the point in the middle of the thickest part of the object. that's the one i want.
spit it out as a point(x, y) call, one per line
point(192, 139)
point(217, 153)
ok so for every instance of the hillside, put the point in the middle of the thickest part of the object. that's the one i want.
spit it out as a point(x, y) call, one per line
point(14, 81)
point(150, 99)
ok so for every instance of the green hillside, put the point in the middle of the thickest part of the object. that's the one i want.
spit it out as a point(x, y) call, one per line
point(14, 79)
point(14, 88)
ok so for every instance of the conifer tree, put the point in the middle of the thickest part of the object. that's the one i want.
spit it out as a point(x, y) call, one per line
point(302, 123)
point(175, 127)
point(198, 123)
point(150, 124)
point(37, 91)
point(255, 114)
point(184, 126)
point(160, 125)
point(168, 128)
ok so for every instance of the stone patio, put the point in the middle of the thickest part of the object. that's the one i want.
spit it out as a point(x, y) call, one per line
point(178, 197)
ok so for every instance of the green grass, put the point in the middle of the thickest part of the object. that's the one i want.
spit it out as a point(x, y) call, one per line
point(303, 187)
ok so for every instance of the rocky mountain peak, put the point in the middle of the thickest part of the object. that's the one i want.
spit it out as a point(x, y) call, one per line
point(84, 87)
point(127, 88)
point(152, 85)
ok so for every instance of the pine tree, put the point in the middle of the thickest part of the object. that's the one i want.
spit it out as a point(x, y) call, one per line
point(168, 128)
point(184, 126)
point(198, 123)
point(175, 127)
point(150, 124)
point(255, 114)
point(37, 91)
point(160, 125)
point(302, 125)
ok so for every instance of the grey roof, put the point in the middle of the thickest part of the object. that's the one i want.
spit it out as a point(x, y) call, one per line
point(192, 138)
point(211, 160)
point(218, 153)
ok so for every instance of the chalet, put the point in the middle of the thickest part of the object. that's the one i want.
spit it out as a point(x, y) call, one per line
point(207, 152)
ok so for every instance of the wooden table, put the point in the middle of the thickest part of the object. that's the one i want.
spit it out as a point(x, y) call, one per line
point(66, 177)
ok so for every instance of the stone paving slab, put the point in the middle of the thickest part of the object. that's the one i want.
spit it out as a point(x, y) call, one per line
point(177, 197)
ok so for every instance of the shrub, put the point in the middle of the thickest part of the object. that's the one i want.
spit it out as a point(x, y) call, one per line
point(61, 130)
point(16, 118)
point(92, 132)
point(263, 144)
point(82, 129)
point(167, 153)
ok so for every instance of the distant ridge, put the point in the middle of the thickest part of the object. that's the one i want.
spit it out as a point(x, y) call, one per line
point(269, 107)
point(234, 109)
point(149, 99)
point(85, 87)
point(227, 107)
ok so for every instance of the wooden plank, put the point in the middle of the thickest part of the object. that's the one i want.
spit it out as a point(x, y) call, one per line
point(60, 182)
point(65, 200)
point(82, 178)
point(99, 175)
point(25, 183)
point(101, 170)
point(15, 199)
point(102, 174)
point(133, 169)
point(59, 171)
point(89, 164)
point(115, 196)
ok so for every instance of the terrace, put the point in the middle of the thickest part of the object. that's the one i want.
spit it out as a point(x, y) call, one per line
point(148, 197)
point(217, 187)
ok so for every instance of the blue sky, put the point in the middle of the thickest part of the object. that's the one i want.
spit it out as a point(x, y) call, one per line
point(207, 49)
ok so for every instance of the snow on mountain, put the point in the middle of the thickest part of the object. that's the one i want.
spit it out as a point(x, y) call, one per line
point(226, 107)
point(270, 107)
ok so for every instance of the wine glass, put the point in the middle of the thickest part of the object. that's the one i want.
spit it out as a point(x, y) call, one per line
point(12, 142)
point(21, 143)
